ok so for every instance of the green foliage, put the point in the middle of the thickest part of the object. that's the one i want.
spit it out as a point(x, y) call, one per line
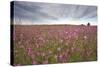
point(20, 57)
point(75, 57)
point(40, 59)
point(52, 59)
point(72, 49)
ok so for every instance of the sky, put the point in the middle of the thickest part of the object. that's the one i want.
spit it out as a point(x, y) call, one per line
point(53, 13)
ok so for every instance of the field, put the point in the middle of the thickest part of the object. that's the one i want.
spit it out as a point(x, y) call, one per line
point(50, 44)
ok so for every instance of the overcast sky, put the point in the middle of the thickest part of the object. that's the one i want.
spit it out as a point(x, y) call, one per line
point(51, 13)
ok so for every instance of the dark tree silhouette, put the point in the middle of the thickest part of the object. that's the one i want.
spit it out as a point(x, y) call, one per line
point(82, 25)
point(88, 24)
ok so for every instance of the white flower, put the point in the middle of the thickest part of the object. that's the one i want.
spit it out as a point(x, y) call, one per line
point(66, 44)
point(21, 35)
point(66, 32)
point(43, 54)
point(59, 49)
point(19, 42)
point(85, 37)
point(55, 56)
point(61, 40)
point(50, 52)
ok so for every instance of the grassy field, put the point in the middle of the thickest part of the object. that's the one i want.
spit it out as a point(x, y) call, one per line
point(50, 44)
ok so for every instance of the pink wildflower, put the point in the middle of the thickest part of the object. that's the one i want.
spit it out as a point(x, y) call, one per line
point(34, 62)
point(29, 51)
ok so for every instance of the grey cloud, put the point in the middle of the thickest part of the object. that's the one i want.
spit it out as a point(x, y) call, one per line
point(43, 12)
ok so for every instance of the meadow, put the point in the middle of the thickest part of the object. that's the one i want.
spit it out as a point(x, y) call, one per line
point(50, 44)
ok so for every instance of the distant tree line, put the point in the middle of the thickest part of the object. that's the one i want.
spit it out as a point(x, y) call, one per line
point(88, 24)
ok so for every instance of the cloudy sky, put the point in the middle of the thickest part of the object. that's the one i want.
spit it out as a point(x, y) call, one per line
point(51, 13)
